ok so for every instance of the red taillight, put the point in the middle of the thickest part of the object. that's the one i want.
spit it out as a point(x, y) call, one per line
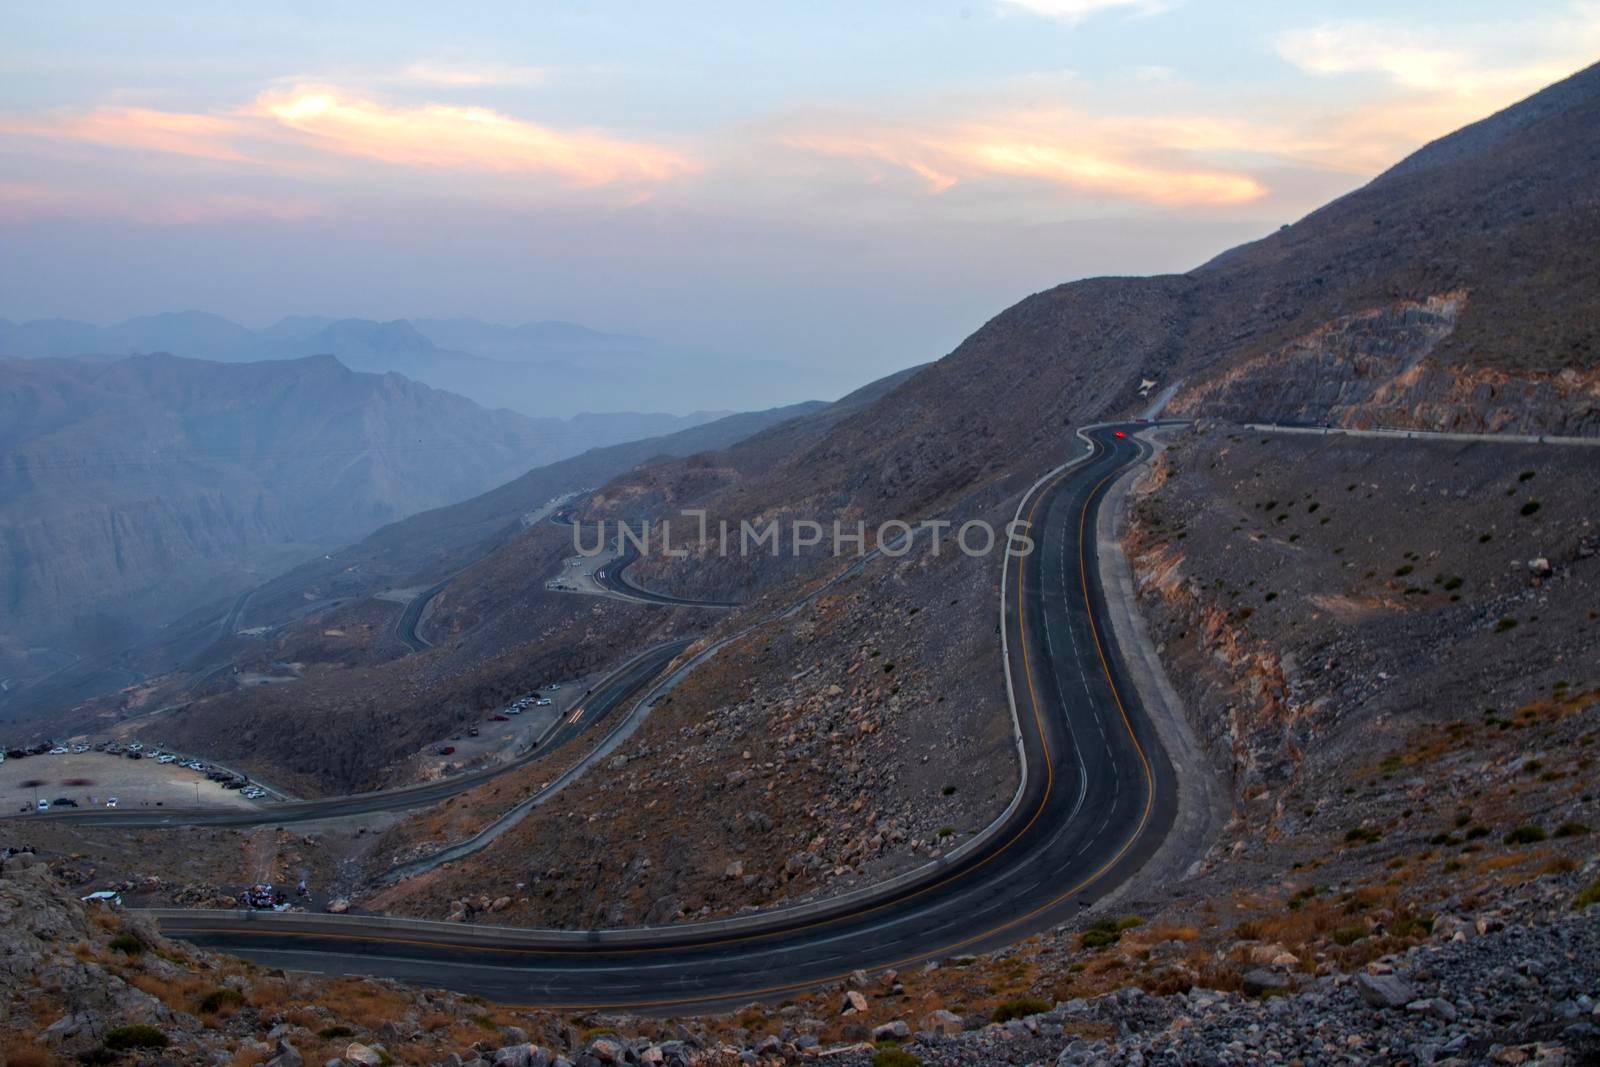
point(1121, 434)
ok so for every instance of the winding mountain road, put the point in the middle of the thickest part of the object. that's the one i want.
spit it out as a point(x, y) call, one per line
point(1097, 799)
point(616, 690)
point(612, 576)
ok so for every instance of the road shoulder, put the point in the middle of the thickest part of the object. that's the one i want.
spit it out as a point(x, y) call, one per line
point(1204, 803)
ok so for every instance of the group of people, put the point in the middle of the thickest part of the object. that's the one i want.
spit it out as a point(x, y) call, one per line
point(262, 897)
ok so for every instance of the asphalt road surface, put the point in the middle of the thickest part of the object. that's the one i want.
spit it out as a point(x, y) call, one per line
point(614, 691)
point(1099, 799)
point(613, 575)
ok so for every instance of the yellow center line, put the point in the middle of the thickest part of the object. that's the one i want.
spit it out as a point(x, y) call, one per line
point(919, 957)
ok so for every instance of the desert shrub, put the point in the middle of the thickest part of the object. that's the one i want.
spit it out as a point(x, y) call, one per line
point(894, 1057)
point(1530, 507)
point(1571, 829)
point(1019, 1008)
point(1107, 932)
point(1507, 623)
point(333, 1033)
point(220, 998)
point(1412, 926)
point(1525, 835)
point(1361, 835)
point(136, 1035)
point(1349, 935)
point(1588, 896)
point(127, 944)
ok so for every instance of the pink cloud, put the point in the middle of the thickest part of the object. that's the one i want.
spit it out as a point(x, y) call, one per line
point(441, 137)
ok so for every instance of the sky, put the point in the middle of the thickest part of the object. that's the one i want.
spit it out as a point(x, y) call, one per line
point(850, 186)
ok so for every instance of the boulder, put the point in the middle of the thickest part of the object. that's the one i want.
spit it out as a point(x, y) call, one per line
point(1265, 980)
point(286, 1055)
point(1384, 990)
point(942, 1022)
point(336, 906)
point(606, 1050)
point(358, 1053)
point(892, 1031)
point(853, 1002)
point(521, 1054)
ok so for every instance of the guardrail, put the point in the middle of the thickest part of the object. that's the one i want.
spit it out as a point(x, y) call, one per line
point(509, 936)
point(1426, 435)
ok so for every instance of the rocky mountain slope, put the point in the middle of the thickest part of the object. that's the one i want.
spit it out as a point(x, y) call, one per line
point(134, 490)
point(497, 628)
point(1454, 292)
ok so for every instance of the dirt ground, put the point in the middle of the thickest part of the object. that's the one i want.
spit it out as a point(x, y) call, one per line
point(96, 775)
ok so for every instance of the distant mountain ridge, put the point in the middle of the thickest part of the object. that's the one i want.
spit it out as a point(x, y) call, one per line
point(134, 489)
point(537, 368)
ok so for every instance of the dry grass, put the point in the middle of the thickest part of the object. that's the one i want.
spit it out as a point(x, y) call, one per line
point(250, 1057)
point(26, 1055)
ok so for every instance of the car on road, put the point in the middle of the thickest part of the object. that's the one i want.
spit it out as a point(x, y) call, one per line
point(498, 718)
point(44, 805)
point(472, 732)
point(64, 802)
point(447, 750)
point(111, 802)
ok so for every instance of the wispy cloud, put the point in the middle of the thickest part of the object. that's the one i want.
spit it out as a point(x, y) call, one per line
point(1075, 11)
point(328, 121)
point(1411, 59)
point(1135, 160)
point(177, 133)
point(444, 137)
point(473, 74)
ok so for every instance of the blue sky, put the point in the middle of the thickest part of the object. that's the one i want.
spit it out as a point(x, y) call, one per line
point(856, 186)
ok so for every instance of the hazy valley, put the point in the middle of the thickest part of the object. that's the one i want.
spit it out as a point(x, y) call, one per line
point(1278, 746)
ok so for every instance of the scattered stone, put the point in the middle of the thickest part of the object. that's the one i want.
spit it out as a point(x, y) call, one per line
point(1384, 990)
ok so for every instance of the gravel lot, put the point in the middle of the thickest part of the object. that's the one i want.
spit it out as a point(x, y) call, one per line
point(135, 783)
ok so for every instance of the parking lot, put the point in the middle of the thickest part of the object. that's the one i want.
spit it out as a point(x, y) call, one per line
point(510, 735)
point(141, 783)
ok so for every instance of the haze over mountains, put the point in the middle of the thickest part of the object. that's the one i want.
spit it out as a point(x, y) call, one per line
point(134, 489)
point(543, 368)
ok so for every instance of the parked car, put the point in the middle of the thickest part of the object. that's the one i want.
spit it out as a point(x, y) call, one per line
point(472, 732)
point(64, 802)
point(59, 750)
point(44, 805)
point(447, 750)
point(544, 702)
point(134, 755)
point(498, 718)
point(111, 802)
